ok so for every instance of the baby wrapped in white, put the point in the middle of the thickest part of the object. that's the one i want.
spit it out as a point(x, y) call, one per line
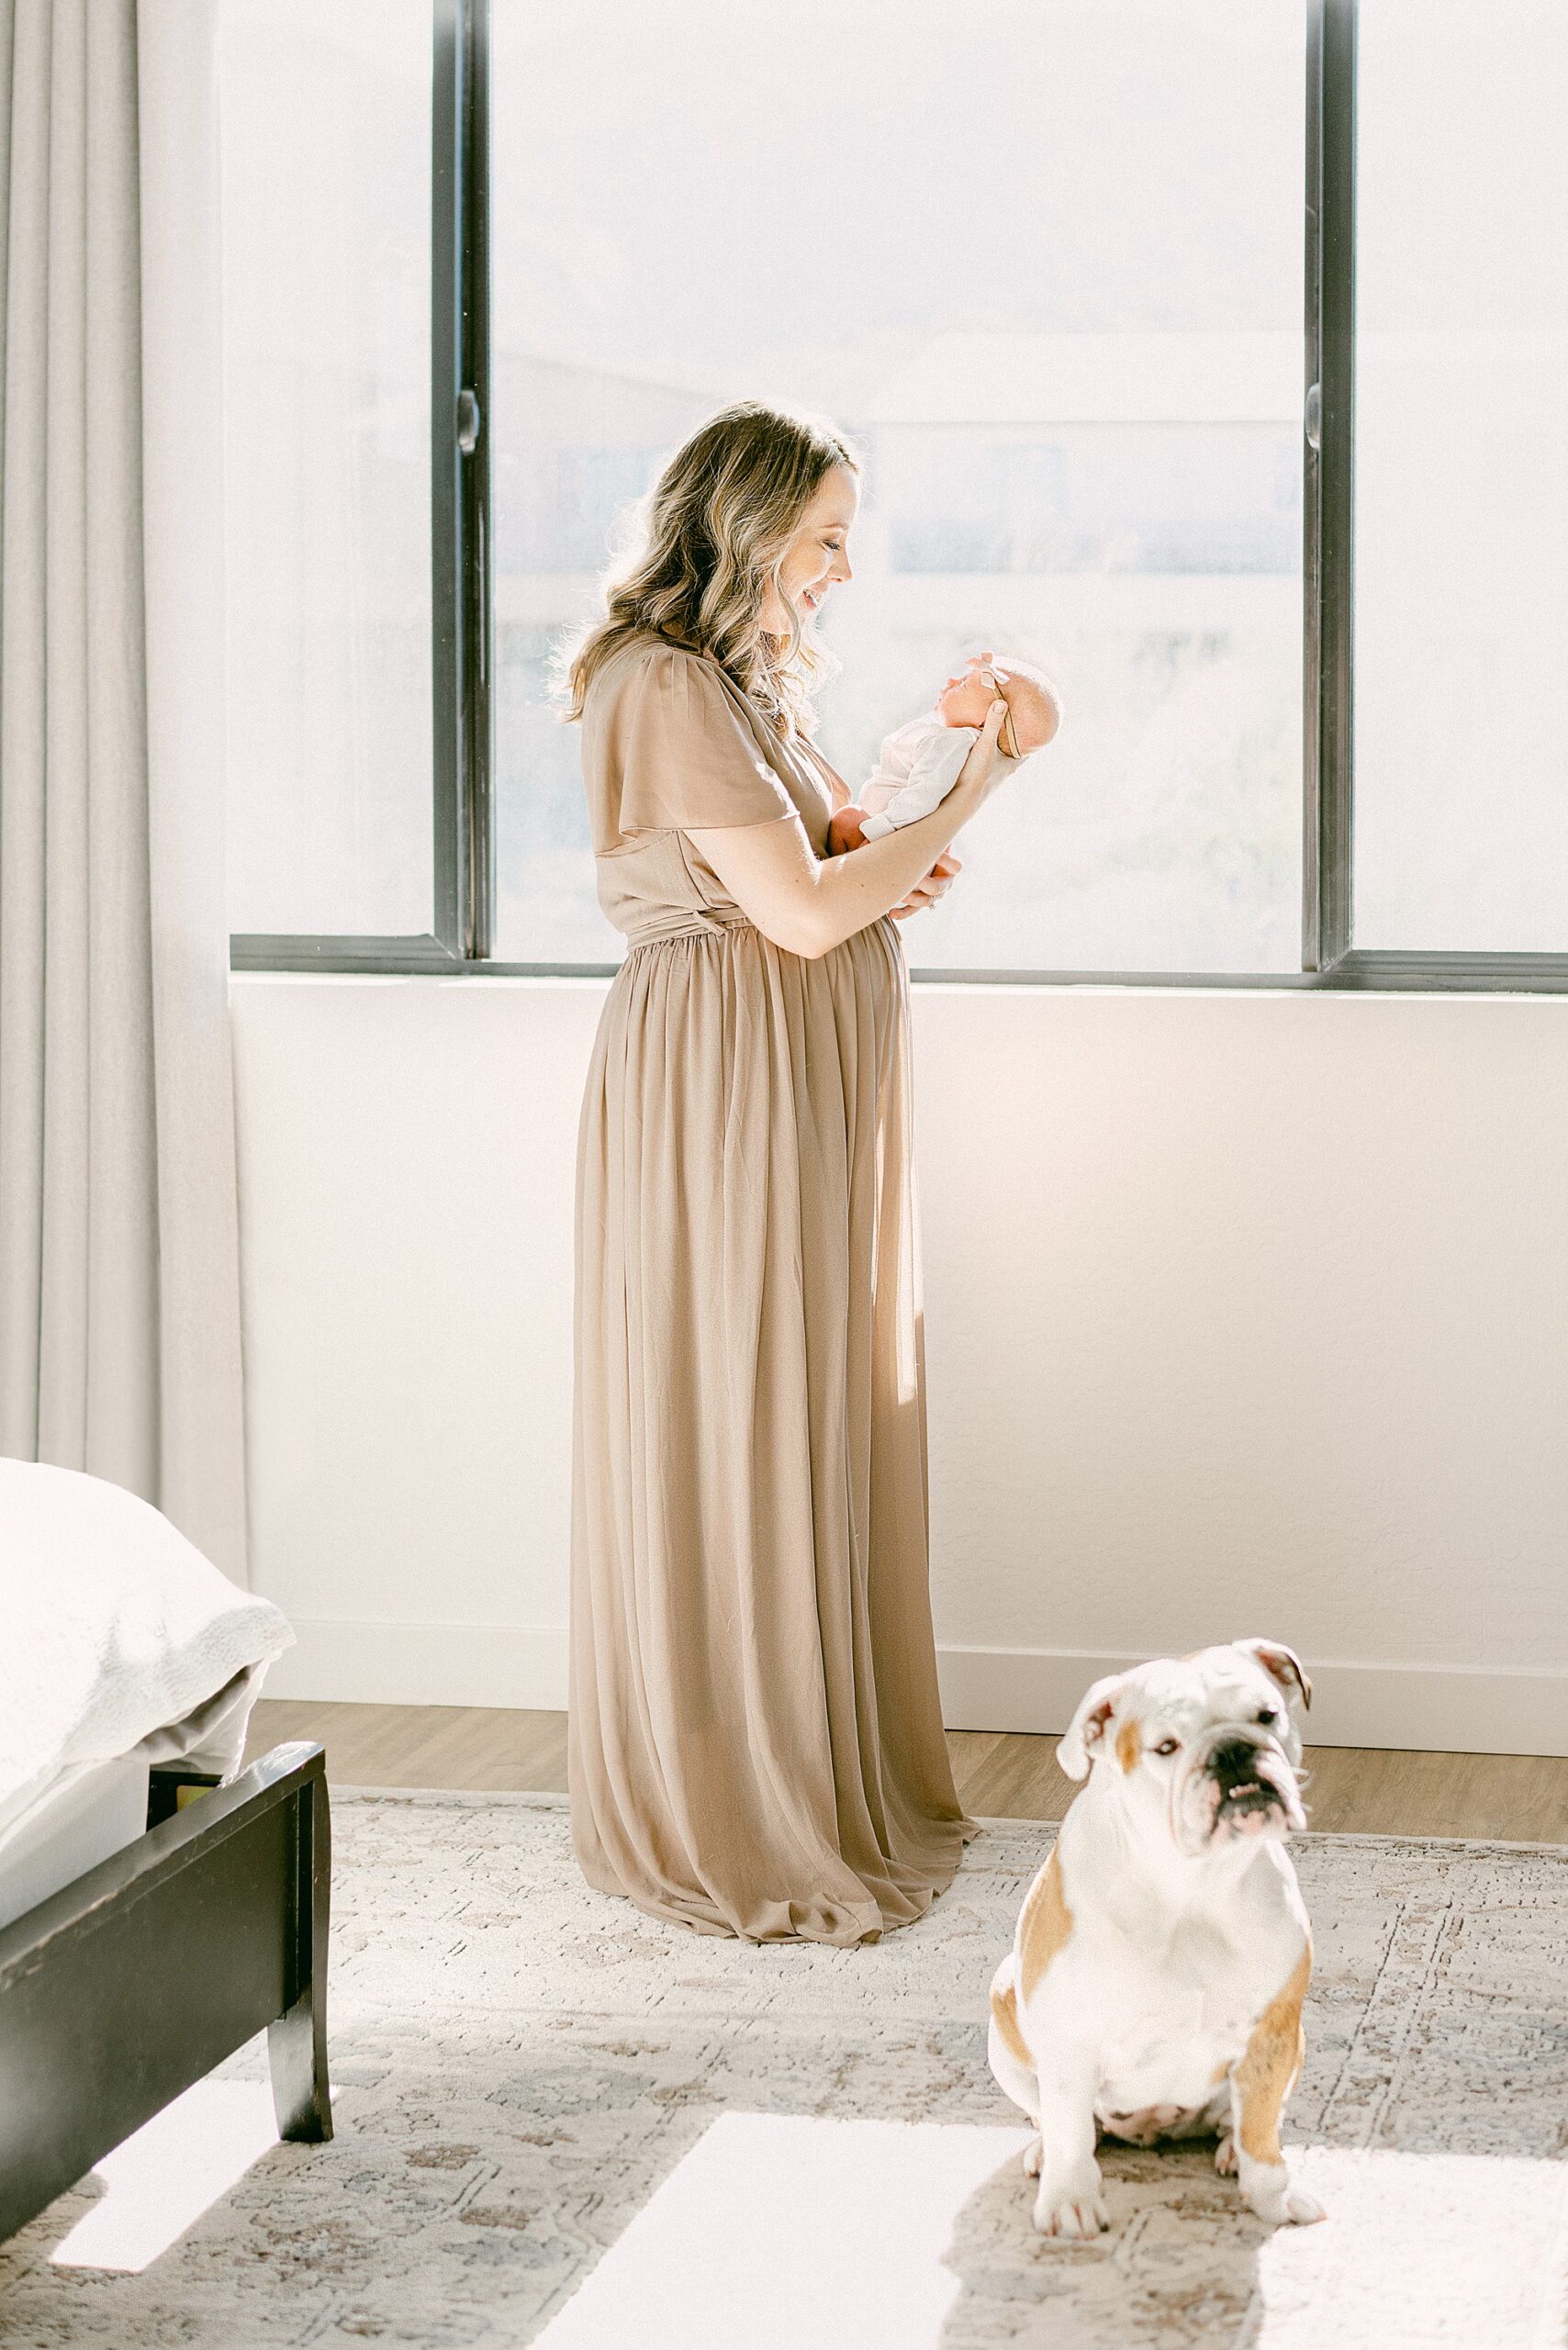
point(919, 762)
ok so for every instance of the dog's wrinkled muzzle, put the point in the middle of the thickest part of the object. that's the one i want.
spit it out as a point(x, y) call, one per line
point(1243, 1787)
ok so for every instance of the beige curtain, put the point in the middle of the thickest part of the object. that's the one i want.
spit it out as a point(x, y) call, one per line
point(119, 1293)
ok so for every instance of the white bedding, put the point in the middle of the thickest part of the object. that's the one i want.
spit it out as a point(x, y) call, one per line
point(116, 1637)
point(71, 1830)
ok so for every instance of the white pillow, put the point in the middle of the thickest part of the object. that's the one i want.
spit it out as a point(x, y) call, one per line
point(112, 1627)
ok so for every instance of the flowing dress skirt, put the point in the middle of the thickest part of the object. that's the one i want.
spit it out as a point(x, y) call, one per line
point(756, 1737)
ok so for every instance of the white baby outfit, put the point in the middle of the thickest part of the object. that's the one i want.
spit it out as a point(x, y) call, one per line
point(915, 770)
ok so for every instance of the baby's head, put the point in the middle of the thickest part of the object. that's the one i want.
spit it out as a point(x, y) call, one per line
point(1033, 713)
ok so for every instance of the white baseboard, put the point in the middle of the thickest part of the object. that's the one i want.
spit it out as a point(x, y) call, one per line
point(1441, 1709)
point(1451, 1710)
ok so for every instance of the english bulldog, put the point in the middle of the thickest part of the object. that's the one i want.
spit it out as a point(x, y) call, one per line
point(1155, 1985)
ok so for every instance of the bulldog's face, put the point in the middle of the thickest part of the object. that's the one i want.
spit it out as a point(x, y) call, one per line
point(1204, 1748)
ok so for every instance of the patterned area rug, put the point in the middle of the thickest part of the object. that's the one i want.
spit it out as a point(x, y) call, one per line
point(520, 2064)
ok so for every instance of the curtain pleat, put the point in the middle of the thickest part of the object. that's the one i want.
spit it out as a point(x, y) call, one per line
point(122, 1383)
point(68, 1042)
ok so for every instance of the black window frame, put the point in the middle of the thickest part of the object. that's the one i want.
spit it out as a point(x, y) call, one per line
point(459, 941)
point(462, 666)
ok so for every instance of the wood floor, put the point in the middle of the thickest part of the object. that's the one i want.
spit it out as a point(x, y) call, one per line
point(1523, 1798)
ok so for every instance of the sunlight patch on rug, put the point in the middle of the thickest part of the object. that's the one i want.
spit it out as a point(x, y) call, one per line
point(164, 2175)
point(777, 2228)
point(1432, 2252)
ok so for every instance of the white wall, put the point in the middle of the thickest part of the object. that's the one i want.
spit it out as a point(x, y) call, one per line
point(1245, 1312)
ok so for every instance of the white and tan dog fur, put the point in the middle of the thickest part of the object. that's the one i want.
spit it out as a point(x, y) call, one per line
point(1154, 1989)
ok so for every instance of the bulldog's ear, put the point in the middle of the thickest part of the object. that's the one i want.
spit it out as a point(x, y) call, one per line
point(1282, 1664)
point(1087, 1726)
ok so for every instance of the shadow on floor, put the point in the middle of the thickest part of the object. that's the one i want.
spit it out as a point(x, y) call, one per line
point(1178, 2268)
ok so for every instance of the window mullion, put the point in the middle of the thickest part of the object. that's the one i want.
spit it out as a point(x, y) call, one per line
point(447, 520)
point(476, 567)
point(1330, 580)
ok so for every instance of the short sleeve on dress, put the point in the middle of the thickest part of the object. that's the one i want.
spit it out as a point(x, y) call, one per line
point(686, 758)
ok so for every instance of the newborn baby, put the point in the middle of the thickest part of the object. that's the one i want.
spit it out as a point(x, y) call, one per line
point(919, 764)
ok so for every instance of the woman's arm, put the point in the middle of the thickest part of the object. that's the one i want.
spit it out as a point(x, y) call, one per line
point(845, 833)
point(807, 905)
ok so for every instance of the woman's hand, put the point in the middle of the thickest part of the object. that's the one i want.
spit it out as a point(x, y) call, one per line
point(936, 885)
point(988, 764)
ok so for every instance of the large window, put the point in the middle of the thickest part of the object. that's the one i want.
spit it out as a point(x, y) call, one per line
point(1086, 287)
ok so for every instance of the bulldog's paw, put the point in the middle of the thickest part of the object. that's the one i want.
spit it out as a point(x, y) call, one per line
point(1225, 2156)
point(1033, 2155)
point(1076, 2210)
point(1277, 2201)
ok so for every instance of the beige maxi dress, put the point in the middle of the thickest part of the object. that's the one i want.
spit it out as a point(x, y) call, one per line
point(755, 1740)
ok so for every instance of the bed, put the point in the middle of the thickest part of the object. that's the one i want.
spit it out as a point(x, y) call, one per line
point(158, 1906)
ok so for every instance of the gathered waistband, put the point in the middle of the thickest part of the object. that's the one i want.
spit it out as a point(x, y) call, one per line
point(712, 925)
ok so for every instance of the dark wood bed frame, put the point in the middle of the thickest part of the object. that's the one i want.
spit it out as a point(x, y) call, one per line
point(131, 1983)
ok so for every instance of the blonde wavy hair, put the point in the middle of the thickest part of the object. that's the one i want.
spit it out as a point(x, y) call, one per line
point(715, 530)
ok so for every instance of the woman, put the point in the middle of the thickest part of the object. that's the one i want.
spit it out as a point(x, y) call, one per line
point(755, 1741)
